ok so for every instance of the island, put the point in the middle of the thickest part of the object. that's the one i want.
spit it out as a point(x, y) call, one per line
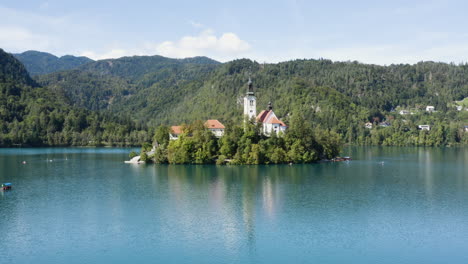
point(259, 139)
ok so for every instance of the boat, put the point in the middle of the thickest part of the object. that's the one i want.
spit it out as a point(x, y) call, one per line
point(341, 159)
point(6, 186)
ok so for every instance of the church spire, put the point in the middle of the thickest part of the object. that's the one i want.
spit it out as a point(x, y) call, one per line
point(250, 90)
point(250, 101)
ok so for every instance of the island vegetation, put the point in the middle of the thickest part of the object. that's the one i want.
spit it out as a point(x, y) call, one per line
point(302, 143)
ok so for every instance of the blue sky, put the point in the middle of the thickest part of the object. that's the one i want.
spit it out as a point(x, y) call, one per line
point(380, 32)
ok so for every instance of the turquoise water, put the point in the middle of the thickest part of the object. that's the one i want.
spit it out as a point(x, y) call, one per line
point(84, 205)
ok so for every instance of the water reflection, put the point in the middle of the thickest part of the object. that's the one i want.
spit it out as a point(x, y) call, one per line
point(243, 196)
point(94, 204)
point(221, 193)
point(425, 159)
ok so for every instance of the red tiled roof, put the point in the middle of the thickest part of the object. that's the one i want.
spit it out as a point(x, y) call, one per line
point(214, 124)
point(263, 115)
point(176, 130)
point(275, 120)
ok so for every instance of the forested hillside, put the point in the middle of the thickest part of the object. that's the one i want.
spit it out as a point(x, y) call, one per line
point(42, 63)
point(130, 81)
point(337, 96)
point(137, 67)
point(341, 96)
point(32, 115)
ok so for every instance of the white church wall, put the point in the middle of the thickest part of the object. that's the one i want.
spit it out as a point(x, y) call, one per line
point(250, 106)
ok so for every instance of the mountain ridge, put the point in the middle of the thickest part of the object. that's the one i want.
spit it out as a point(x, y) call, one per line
point(37, 62)
point(40, 63)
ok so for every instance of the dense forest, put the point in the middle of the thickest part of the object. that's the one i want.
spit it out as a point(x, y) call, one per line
point(340, 97)
point(32, 115)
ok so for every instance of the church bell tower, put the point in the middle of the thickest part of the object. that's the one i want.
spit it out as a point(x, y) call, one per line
point(250, 102)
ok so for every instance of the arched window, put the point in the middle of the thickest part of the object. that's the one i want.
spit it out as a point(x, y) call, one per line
point(251, 102)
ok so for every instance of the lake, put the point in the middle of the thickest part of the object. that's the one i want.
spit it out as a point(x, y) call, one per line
point(84, 205)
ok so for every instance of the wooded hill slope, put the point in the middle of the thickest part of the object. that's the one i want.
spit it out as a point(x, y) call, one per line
point(33, 115)
point(341, 96)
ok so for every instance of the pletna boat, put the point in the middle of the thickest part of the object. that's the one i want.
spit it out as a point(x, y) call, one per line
point(341, 159)
point(6, 186)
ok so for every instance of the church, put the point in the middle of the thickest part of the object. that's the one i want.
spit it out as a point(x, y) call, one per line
point(268, 119)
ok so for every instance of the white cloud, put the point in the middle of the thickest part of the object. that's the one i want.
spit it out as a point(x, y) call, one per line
point(224, 47)
point(228, 45)
point(60, 35)
point(94, 37)
point(419, 46)
point(13, 38)
point(397, 53)
point(21, 31)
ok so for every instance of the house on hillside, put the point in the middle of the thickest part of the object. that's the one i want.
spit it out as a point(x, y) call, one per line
point(430, 108)
point(175, 132)
point(404, 112)
point(216, 127)
point(368, 125)
point(424, 127)
point(384, 124)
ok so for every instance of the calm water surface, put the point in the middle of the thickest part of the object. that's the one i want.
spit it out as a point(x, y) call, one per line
point(389, 205)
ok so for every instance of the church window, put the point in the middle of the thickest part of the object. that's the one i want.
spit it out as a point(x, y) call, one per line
point(251, 102)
